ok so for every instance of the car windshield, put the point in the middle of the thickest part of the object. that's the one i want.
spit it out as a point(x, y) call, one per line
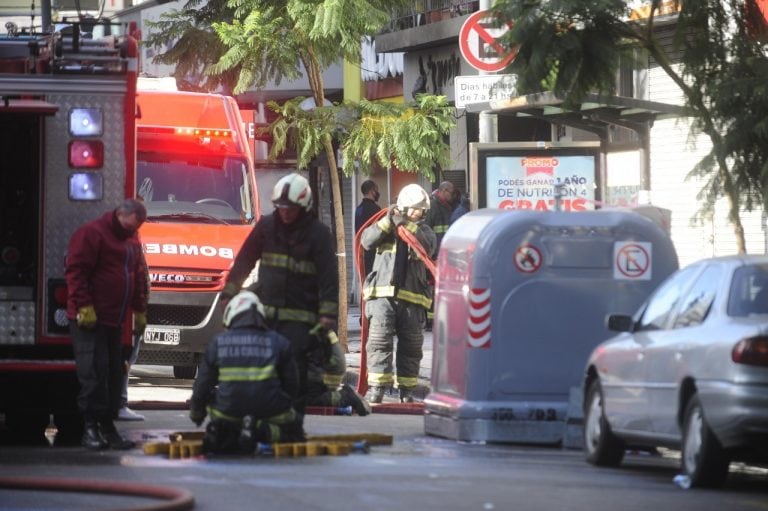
point(749, 291)
point(194, 190)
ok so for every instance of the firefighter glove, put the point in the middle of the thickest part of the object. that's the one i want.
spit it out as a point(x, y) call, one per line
point(86, 317)
point(197, 416)
point(139, 322)
point(396, 216)
point(229, 291)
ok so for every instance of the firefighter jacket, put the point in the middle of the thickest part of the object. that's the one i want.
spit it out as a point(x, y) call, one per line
point(105, 268)
point(397, 270)
point(253, 368)
point(298, 273)
point(438, 218)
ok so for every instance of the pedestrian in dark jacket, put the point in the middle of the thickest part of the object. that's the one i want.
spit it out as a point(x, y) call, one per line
point(106, 281)
point(247, 383)
point(298, 272)
point(364, 211)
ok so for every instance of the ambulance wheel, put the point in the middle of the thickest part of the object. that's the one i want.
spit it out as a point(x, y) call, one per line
point(185, 372)
point(601, 446)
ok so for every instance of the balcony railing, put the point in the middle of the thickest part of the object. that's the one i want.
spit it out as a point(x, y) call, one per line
point(429, 11)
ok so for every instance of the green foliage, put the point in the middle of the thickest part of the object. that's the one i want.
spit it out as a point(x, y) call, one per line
point(408, 136)
point(575, 47)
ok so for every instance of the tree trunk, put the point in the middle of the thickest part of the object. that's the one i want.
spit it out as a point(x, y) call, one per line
point(315, 78)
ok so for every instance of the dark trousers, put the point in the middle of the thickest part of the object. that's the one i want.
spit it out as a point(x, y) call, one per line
point(301, 343)
point(100, 371)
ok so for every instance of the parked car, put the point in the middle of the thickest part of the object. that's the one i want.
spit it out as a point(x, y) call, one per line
point(689, 371)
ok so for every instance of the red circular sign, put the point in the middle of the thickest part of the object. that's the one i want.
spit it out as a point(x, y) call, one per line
point(527, 259)
point(633, 261)
point(479, 45)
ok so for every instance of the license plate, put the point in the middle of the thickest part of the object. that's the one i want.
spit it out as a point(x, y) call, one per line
point(169, 336)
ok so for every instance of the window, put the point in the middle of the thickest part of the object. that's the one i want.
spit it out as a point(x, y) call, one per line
point(749, 291)
point(666, 297)
point(697, 302)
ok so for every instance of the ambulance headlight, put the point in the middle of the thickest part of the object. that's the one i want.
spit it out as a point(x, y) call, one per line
point(86, 122)
point(86, 186)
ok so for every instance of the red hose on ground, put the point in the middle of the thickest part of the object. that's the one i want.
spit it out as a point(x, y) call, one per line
point(176, 499)
point(359, 256)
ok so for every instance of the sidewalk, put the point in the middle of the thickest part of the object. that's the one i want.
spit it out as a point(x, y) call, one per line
point(353, 356)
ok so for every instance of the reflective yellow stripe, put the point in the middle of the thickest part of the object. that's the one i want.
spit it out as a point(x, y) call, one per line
point(299, 315)
point(332, 380)
point(247, 373)
point(380, 378)
point(412, 227)
point(284, 261)
point(385, 248)
point(216, 414)
point(378, 292)
point(328, 308)
point(440, 229)
point(407, 381)
point(410, 296)
point(283, 418)
point(430, 315)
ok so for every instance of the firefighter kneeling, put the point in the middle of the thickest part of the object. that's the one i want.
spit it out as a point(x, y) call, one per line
point(247, 383)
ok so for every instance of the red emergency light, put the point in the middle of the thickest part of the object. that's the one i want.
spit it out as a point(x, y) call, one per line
point(188, 140)
point(86, 154)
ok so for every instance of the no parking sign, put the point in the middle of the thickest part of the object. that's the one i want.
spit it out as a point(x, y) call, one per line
point(479, 42)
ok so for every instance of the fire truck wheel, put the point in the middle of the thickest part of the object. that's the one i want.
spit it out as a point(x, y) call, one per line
point(26, 427)
point(70, 426)
point(185, 372)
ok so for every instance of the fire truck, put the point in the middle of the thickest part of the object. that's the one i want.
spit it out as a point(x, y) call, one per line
point(196, 176)
point(68, 146)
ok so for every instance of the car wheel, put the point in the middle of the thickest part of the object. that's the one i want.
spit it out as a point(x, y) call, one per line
point(703, 458)
point(601, 446)
point(185, 372)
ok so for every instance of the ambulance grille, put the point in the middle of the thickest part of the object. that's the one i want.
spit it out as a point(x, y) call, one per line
point(176, 315)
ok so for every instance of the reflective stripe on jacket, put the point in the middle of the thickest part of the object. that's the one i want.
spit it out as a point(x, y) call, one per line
point(439, 219)
point(383, 280)
point(298, 273)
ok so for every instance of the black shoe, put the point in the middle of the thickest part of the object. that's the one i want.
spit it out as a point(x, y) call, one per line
point(406, 395)
point(117, 442)
point(246, 441)
point(92, 439)
point(351, 398)
point(375, 394)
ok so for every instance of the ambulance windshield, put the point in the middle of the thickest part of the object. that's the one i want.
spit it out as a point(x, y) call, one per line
point(194, 190)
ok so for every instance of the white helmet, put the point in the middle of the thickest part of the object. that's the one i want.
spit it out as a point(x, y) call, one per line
point(292, 190)
point(240, 303)
point(412, 196)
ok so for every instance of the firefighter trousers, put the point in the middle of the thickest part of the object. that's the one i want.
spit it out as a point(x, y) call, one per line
point(326, 367)
point(301, 343)
point(388, 317)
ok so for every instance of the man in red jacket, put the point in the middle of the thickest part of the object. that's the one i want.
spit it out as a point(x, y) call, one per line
point(106, 280)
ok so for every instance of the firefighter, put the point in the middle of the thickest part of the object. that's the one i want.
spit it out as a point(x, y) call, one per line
point(397, 295)
point(246, 383)
point(106, 279)
point(298, 273)
point(439, 219)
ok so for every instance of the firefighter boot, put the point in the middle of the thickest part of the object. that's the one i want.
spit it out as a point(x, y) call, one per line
point(92, 439)
point(406, 394)
point(246, 442)
point(113, 438)
point(351, 398)
point(375, 394)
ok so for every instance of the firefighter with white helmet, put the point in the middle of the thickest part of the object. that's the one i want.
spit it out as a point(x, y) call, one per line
point(247, 383)
point(397, 295)
point(297, 277)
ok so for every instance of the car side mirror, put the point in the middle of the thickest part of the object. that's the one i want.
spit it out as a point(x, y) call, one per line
point(620, 323)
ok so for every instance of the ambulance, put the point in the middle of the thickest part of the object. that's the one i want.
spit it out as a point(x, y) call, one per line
point(67, 139)
point(196, 176)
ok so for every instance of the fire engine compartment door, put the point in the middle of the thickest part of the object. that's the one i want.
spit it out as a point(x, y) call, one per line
point(20, 145)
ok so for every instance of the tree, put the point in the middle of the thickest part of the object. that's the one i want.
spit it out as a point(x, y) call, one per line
point(574, 47)
point(274, 40)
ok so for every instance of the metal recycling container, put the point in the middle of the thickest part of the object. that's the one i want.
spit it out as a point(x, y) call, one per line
point(521, 300)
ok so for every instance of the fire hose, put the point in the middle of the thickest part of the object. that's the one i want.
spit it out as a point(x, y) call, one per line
point(359, 255)
point(174, 498)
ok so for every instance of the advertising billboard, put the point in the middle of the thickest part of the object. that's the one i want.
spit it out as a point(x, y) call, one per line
point(536, 176)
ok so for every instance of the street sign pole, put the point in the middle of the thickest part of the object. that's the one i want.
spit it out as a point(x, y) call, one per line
point(488, 122)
